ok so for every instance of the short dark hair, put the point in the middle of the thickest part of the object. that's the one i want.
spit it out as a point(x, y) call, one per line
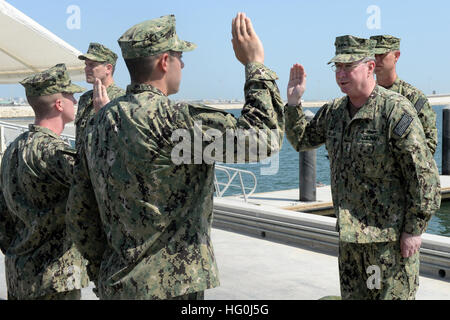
point(43, 105)
point(140, 69)
point(113, 67)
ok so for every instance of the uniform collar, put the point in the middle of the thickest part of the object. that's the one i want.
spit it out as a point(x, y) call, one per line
point(367, 111)
point(36, 128)
point(395, 85)
point(139, 88)
point(110, 87)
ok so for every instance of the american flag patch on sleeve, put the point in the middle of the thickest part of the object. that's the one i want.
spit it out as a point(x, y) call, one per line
point(403, 124)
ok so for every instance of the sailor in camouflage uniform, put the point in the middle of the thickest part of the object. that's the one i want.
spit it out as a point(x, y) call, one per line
point(387, 53)
point(36, 170)
point(100, 65)
point(155, 211)
point(385, 184)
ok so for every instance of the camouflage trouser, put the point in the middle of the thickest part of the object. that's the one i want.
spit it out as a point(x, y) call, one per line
point(377, 271)
point(190, 296)
point(67, 295)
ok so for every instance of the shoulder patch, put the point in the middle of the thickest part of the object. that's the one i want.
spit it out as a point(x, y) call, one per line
point(205, 108)
point(87, 94)
point(419, 104)
point(403, 124)
point(68, 150)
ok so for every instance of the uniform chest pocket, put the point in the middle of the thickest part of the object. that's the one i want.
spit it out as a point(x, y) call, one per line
point(365, 146)
point(332, 142)
point(369, 151)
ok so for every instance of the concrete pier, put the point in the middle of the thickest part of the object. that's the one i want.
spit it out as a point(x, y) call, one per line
point(288, 199)
point(256, 269)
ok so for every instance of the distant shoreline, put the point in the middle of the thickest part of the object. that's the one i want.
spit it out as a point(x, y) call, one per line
point(234, 106)
point(25, 111)
point(435, 100)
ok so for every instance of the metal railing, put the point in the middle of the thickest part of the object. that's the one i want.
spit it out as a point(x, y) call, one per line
point(230, 173)
point(6, 125)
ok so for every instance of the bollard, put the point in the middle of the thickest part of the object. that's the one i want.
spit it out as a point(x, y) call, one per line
point(446, 140)
point(307, 184)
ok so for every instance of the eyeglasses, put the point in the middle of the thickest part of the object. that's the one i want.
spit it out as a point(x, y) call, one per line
point(176, 54)
point(346, 67)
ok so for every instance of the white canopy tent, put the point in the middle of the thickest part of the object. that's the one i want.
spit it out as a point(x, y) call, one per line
point(26, 47)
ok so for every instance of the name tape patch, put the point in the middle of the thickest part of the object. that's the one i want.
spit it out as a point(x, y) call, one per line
point(403, 124)
point(419, 104)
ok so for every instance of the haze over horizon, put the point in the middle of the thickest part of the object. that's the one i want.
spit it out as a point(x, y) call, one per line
point(291, 31)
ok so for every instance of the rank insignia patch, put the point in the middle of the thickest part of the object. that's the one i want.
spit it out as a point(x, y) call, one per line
point(419, 104)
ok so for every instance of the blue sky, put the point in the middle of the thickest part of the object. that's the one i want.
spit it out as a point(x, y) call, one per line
point(292, 31)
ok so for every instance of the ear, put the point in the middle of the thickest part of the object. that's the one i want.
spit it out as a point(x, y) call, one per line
point(109, 68)
point(58, 105)
point(163, 62)
point(371, 69)
point(397, 55)
point(371, 65)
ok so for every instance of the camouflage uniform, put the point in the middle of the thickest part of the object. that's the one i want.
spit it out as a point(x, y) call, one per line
point(99, 53)
point(400, 276)
point(384, 180)
point(36, 169)
point(420, 102)
point(155, 215)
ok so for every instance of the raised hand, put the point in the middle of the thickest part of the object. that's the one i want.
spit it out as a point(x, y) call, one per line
point(100, 96)
point(246, 44)
point(297, 84)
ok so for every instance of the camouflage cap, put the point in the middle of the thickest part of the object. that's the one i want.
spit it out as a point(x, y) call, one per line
point(386, 43)
point(152, 37)
point(100, 53)
point(351, 48)
point(51, 81)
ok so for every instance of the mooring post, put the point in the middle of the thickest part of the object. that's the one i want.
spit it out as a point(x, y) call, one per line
point(307, 171)
point(446, 140)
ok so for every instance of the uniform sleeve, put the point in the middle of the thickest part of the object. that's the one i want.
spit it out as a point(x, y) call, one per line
point(304, 134)
point(82, 113)
point(419, 169)
point(7, 225)
point(255, 135)
point(83, 219)
point(427, 117)
point(83, 102)
point(57, 161)
point(115, 92)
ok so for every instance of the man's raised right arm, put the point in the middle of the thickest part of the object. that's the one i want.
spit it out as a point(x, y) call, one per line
point(301, 133)
point(258, 132)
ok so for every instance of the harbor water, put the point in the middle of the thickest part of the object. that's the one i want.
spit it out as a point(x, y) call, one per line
point(281, 171)
point(287, 173)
